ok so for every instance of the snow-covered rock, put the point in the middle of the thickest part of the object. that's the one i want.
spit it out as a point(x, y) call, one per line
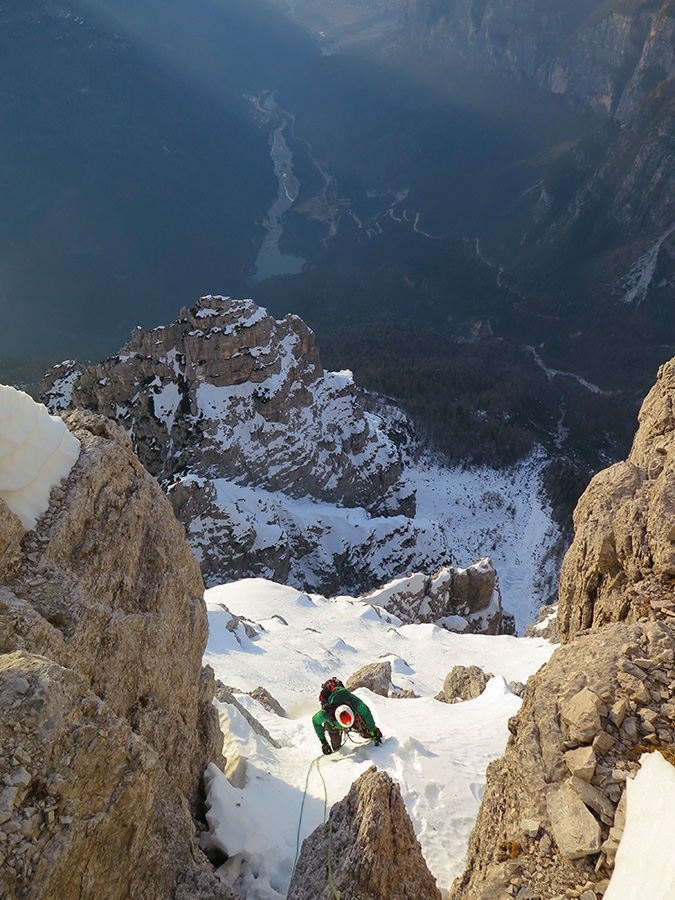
point(459, 599)
point(231, 392)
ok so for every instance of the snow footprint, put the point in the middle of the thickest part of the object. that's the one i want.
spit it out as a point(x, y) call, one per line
point(432, 793)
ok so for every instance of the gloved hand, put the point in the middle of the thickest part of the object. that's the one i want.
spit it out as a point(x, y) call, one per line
point(376, 737)
point(326, 750)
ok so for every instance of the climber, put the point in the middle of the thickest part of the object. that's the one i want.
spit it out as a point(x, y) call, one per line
point(341, 712)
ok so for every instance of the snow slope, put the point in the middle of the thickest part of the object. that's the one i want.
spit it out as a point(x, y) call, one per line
point(438, 753)
point(497, 513)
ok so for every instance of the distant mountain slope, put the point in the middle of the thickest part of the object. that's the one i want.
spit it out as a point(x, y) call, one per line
point(131, 172)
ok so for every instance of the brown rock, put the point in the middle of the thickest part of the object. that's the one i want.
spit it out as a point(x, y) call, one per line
point(11, 533)
point(99, 815)
point(463, 683)
point(574, 829)
point(374, 852)
point(621, 565)
point(112, 726)
point(540, 752)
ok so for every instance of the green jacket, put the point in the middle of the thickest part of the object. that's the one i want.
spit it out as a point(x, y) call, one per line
point(326, 715)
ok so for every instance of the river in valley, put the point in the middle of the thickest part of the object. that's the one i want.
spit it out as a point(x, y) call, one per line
point(270, 260)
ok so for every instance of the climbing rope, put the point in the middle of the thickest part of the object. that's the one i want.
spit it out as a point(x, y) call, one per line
point(330, 825)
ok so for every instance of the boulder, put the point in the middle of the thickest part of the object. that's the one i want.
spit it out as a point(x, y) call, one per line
point(105, 729)
point(463, 683)
point(374, 676)
point(574, 828)
point(374, 854)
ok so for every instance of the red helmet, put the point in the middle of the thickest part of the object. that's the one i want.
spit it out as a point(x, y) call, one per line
point(344, 716)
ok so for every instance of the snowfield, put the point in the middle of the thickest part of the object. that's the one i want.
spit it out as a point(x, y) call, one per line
point(438, 753)
point(497, 513)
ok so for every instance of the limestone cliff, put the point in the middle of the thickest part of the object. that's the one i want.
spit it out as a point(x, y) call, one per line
point(229, 391)
point(257, 445)
point(106, 719)
point(606, 56)
point(621, 565)
point(551, 817)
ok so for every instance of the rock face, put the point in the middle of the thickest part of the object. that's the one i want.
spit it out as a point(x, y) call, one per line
point(229, 391)
point(604, 55)
point(106, 720)
point(554, 807)
point(548, 820)
point(463, 600)
point(374, 852)
point(233, 413)
point(621, 565)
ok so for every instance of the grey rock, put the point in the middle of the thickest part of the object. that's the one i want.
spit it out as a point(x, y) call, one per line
point(263, 696)
point(464, 600)
point(374, 676)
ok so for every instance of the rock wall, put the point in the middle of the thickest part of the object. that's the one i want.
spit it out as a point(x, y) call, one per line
point(621, 564)
point(553, 811)
point(599, 55)
point(107, 722)
point(232, 412)
point(228, 391)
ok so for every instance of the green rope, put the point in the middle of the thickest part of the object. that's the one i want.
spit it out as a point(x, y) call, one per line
point(330, 825)
point(330, 832)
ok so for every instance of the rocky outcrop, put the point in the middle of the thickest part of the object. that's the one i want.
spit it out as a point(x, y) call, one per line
point(549, 820)
point(464, 600)
point(374, 854)
point(621, 565)
point(106, 720)
point(463, 683)
point(229, 391)
point(376, 677)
